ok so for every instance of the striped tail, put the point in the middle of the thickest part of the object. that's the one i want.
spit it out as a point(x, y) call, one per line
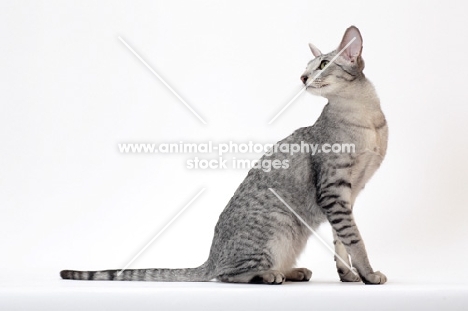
point(200, 274)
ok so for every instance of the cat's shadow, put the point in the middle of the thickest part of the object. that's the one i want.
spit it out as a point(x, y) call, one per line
point(288, 283)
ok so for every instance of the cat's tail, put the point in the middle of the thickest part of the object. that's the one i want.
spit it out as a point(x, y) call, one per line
point(200, 274)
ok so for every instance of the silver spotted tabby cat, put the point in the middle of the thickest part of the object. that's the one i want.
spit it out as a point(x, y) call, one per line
point(257, 239)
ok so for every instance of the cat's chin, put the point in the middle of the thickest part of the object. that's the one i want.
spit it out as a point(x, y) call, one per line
point(318, 90)
point(311, 87)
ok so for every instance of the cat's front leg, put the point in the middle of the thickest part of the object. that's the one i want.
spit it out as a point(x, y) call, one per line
point(343, 265)
point(338, 210)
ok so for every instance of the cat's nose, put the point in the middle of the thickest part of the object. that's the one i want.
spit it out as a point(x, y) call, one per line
point(304, 79)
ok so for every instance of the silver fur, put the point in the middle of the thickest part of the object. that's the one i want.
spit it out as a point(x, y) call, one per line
point(257, 239)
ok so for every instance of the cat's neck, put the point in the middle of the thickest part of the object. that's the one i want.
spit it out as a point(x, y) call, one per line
point(360, 91)
point(358, 97)
point(359, 102)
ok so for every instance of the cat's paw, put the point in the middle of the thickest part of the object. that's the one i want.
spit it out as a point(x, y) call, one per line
point(348, 276)
point(375, 278)
point(270, 277)
point(299, 275)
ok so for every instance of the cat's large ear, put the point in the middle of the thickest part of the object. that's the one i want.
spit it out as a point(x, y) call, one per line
point(314, 50)
point(354, 50)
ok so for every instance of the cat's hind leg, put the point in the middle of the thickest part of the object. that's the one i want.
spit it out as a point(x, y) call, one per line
point(273, 277)
point(298, 275)
point(269, 277)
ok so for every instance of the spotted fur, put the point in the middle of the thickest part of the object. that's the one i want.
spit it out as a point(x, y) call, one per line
point(257, 239)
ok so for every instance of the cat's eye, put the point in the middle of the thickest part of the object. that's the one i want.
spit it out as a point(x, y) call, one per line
point(323, 64)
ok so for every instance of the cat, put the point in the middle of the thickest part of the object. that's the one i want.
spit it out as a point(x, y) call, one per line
point(257, 239)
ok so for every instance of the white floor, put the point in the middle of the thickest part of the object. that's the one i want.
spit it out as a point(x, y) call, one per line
point(46, 291)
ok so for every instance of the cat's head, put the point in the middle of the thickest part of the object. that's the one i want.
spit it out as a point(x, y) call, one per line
point(331, 74)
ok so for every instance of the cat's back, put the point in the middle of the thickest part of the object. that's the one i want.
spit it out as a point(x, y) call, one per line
point(254, 202)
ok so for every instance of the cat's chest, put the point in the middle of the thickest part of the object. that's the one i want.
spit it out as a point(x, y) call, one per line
point(374, 140)
point(369, 155)
point(369, 131)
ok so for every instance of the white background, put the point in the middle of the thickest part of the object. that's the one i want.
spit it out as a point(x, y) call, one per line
point(71, 91)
